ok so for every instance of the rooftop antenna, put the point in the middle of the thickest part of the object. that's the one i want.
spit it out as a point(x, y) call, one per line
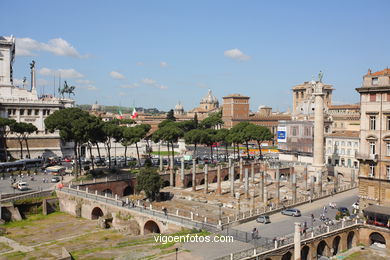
point(54, 84)
point(59, 80)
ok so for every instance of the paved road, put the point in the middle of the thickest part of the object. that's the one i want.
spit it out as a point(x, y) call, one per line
point(37, 184)
point(282, 225)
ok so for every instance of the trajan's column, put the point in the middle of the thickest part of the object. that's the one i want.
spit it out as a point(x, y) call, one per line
point(318, 152)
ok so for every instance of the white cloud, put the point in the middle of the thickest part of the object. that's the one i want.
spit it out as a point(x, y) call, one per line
point(148, 81)
point(65, 73)
point(236, 54)
point(57, 46)
point(90, 87)
point(84, 81)
point(43, 82)
point(116, 75)
point(163, 64)
point(130, 86)
point(19, 82)
point(153, 83)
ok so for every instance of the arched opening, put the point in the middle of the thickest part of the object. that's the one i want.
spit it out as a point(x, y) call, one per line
point(151, 227)
point(166, 184)
point(336, 245)
point(108, 191)
point(189, 184)
point(96, 213)
point(350, 238)
point(128, 191)
point(321, 249)
point(201, 182)
point(377, 238)
point(215, 179)
point(226, 178)
point(305, 253)
point(237, 176)
point(287, 256)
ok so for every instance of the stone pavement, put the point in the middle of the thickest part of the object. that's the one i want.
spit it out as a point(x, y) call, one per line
point(15, 245)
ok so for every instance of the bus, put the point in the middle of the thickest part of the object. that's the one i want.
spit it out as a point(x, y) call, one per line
point(20, 165)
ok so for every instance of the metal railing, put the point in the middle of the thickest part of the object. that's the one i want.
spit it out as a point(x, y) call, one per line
point(120, 177)
point(269, 245)
point(36, 194)
point(116, 201)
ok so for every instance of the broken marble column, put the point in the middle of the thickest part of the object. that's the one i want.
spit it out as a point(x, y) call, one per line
point(171, 173)
point(294, 188)
point(206, 179)
point(252, 172)
point(182, 171)
point(193, 175)
point(311, 187)
point(319, 182)
point(277, 186)
point(352, 177)
point(261, 185)
point(219, 188)
point(241, 173)
point(336, 180)
point(231, 177)
point(246, 182)
point(305, 176)
point(265, 195)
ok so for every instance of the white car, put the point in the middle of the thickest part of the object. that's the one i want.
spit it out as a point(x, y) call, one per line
point(22, 186)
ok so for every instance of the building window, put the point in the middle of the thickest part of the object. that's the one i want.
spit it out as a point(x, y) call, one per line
point(29, 112)
point(329, 142)
point(349, 144)
point(44, 112)
point(21, 112)
point(372, 170)
point(372, 147)
point(349, 152)
point(374, 81)
point(388, 122)
point(388, 172)
point(9, 111)
point(336, 143)
point(342, 143)
point(36, 112)
point(355, 144)
point(294, 131)
point(342, 151)
point(349, 163)
point(388, 149)
point(372, 122)
point(372, 97)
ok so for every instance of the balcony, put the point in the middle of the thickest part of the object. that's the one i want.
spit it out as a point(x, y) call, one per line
point(366, 156)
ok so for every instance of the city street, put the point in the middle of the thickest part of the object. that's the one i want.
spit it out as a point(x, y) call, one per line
point(282, 225)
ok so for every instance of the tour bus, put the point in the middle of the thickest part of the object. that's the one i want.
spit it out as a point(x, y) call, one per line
point(20, 165)
point(56, 170)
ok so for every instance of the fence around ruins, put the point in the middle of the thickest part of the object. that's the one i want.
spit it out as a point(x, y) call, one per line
point(267, 246)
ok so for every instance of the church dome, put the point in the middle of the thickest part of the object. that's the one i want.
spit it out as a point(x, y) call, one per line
point(209, 99)
point(179, 106)
point(96, 107)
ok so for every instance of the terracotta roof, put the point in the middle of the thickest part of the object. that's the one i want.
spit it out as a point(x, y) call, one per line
point(379, 73)
point(346, 106)
point(344, 134)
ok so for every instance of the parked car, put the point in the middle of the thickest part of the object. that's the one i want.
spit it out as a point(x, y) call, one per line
point(263, 219)
point(55, 179)
point(20, 185)
point(291, 212)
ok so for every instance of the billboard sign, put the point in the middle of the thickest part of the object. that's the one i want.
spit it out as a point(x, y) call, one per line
point(282, 134)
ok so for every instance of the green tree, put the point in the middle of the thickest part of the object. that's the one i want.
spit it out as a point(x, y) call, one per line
point(133, 135)
point(171, 115)
point(70, 123)
point(212, 121)
point(262, 134)
point(170, 133)
point(113, 133)
point(195, 137)
point(149, 181)
point(208, 138)
point(222, 136)
point(4, 123)
point(29, 129)
point(96, 135)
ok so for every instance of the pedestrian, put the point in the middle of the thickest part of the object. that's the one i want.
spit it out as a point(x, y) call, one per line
point(256, 234)
point(312, 217)
point(253, 233)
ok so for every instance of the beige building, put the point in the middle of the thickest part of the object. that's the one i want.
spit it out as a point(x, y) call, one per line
point(24, 105)
point(374, 155)
point(341, 147)
point(345, 117)
point(303, 100)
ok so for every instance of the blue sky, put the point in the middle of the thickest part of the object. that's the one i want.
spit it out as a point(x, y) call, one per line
point(155, 53)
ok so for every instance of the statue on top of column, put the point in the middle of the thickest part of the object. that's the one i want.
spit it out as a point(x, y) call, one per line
point(32, 64)
point(320, 76)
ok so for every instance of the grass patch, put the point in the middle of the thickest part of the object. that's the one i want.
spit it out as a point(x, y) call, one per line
point(31, 220)
point(15, 255)
point(4, 247)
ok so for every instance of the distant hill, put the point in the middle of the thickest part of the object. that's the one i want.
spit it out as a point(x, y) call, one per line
point(125, 110)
